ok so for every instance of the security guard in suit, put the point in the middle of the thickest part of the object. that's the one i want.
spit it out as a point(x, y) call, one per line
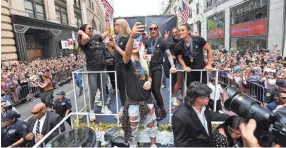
point(62, 106)
point(12, 130)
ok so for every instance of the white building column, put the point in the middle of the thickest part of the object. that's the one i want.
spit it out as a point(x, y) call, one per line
point(70, 10)
point(18, 7)
point(50, 11)
point(227, 28)
point(83, 12)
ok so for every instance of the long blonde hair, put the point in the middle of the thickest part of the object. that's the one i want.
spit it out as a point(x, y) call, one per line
point(141, 53)
point(124, 30)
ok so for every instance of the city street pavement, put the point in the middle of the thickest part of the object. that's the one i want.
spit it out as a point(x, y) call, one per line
point(26, 108)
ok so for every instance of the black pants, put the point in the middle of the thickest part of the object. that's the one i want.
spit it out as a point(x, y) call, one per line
point(156, 87)
point(111, 75)
point(218, 105)
point(47, 98)
point(196, 76)
point(120, 82)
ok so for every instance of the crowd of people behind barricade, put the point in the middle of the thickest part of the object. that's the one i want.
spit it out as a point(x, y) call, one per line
point(256, 73)
point(16, 78)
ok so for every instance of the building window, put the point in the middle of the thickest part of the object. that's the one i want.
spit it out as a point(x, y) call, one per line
point(89, 3)
point(77, 3)
point(198, 8)
point(249, 11)
point(62, 16)
point(92, 6)
point(35, 8)
point(78, 19)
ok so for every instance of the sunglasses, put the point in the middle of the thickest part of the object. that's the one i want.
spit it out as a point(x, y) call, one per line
point(90, 28)
point(34, 113)
point(155, 28)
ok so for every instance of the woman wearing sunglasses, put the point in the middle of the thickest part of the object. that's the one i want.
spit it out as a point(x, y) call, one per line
point(228, 134)
point(139, 104)
point(94, 49)
point(156, 48)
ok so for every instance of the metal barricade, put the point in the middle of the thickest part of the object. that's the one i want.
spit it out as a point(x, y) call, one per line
point(257, 90)
point(84, 79)
point(28, 92)
point(185, 86)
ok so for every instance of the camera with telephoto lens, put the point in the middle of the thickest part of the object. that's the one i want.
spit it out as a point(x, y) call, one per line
point(271, 127)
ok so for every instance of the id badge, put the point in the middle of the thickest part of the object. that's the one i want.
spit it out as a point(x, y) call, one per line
point(191, 59)
point(149, 56)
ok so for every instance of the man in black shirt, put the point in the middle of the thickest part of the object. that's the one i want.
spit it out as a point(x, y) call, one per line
point(94, 49)
point(156, 48)
point(191, 55)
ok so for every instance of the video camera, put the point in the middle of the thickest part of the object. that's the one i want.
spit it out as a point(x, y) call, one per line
point(271, 127)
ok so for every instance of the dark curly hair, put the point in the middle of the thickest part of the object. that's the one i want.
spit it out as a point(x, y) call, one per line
point(195, 90)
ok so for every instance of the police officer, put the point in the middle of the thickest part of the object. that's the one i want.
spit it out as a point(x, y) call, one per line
point(12, 130)
point(62, 106)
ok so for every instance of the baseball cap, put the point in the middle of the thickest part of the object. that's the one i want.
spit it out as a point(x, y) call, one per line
point(281, 83)
point(61, 93)
point(9, 115)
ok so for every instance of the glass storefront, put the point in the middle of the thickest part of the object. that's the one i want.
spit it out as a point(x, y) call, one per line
point(251, 43)
point(216, 30)
point(249, 23)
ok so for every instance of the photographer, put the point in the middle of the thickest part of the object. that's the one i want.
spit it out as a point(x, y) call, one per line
point(47, 95)
point(228, 134)
point(192, 120)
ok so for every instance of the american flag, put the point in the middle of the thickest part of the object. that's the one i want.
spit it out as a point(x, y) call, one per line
point(108, 8)
point(185, 11)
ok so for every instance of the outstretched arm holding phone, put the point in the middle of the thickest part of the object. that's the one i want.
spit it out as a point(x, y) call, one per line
point(136, 31)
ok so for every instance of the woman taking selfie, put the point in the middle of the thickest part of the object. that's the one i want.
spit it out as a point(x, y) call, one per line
point(47, 95)
point(228, 134)
point(139, 104)
point(94, 49)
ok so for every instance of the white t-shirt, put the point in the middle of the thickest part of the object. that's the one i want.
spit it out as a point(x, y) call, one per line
point(219, 90)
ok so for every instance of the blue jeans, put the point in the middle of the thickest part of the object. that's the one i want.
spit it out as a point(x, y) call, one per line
point(133, 111)
point(79, 83)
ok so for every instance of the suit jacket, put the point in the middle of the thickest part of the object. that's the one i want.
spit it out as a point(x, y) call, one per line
point(188, 130)
point(52, 119)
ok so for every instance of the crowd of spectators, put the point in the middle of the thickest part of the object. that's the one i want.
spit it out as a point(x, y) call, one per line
point(14, 77)
point(256, 73)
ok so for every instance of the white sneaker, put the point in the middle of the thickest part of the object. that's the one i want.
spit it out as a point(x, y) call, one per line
point(175, 101)
point(98, 104)
point(92, 117)
point(153, 146)
point(105, 110)
point(133, 145)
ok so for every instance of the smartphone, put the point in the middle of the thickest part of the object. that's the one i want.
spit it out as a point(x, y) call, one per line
point(141, 20)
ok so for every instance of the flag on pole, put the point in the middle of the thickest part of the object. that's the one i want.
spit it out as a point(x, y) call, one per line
point(108, 8)
point(185, 10)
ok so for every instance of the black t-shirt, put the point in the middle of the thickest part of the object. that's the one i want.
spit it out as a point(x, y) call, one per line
point(94, 51)
point(134, 80)
point(198, 52)
point(122, 44)
point(158, 54)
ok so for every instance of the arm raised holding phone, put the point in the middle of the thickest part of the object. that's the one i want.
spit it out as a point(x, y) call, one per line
point(137, 30)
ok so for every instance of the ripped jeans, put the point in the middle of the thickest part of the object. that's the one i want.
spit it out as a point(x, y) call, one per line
point(150, 122)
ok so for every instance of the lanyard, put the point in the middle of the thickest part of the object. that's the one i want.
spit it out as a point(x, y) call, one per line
point(153, 46)
point(138, 65)
point(118, 40)
point(190, 51)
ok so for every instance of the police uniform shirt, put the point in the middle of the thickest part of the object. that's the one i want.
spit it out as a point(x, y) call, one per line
point(13, 133)
point(94, 52)
point(198, 61)
point(158, 54)
point(62, 106)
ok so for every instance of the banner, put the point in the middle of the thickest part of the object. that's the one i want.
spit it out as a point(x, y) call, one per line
point(216, 33)
point(166, 23)
point(253, 28)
